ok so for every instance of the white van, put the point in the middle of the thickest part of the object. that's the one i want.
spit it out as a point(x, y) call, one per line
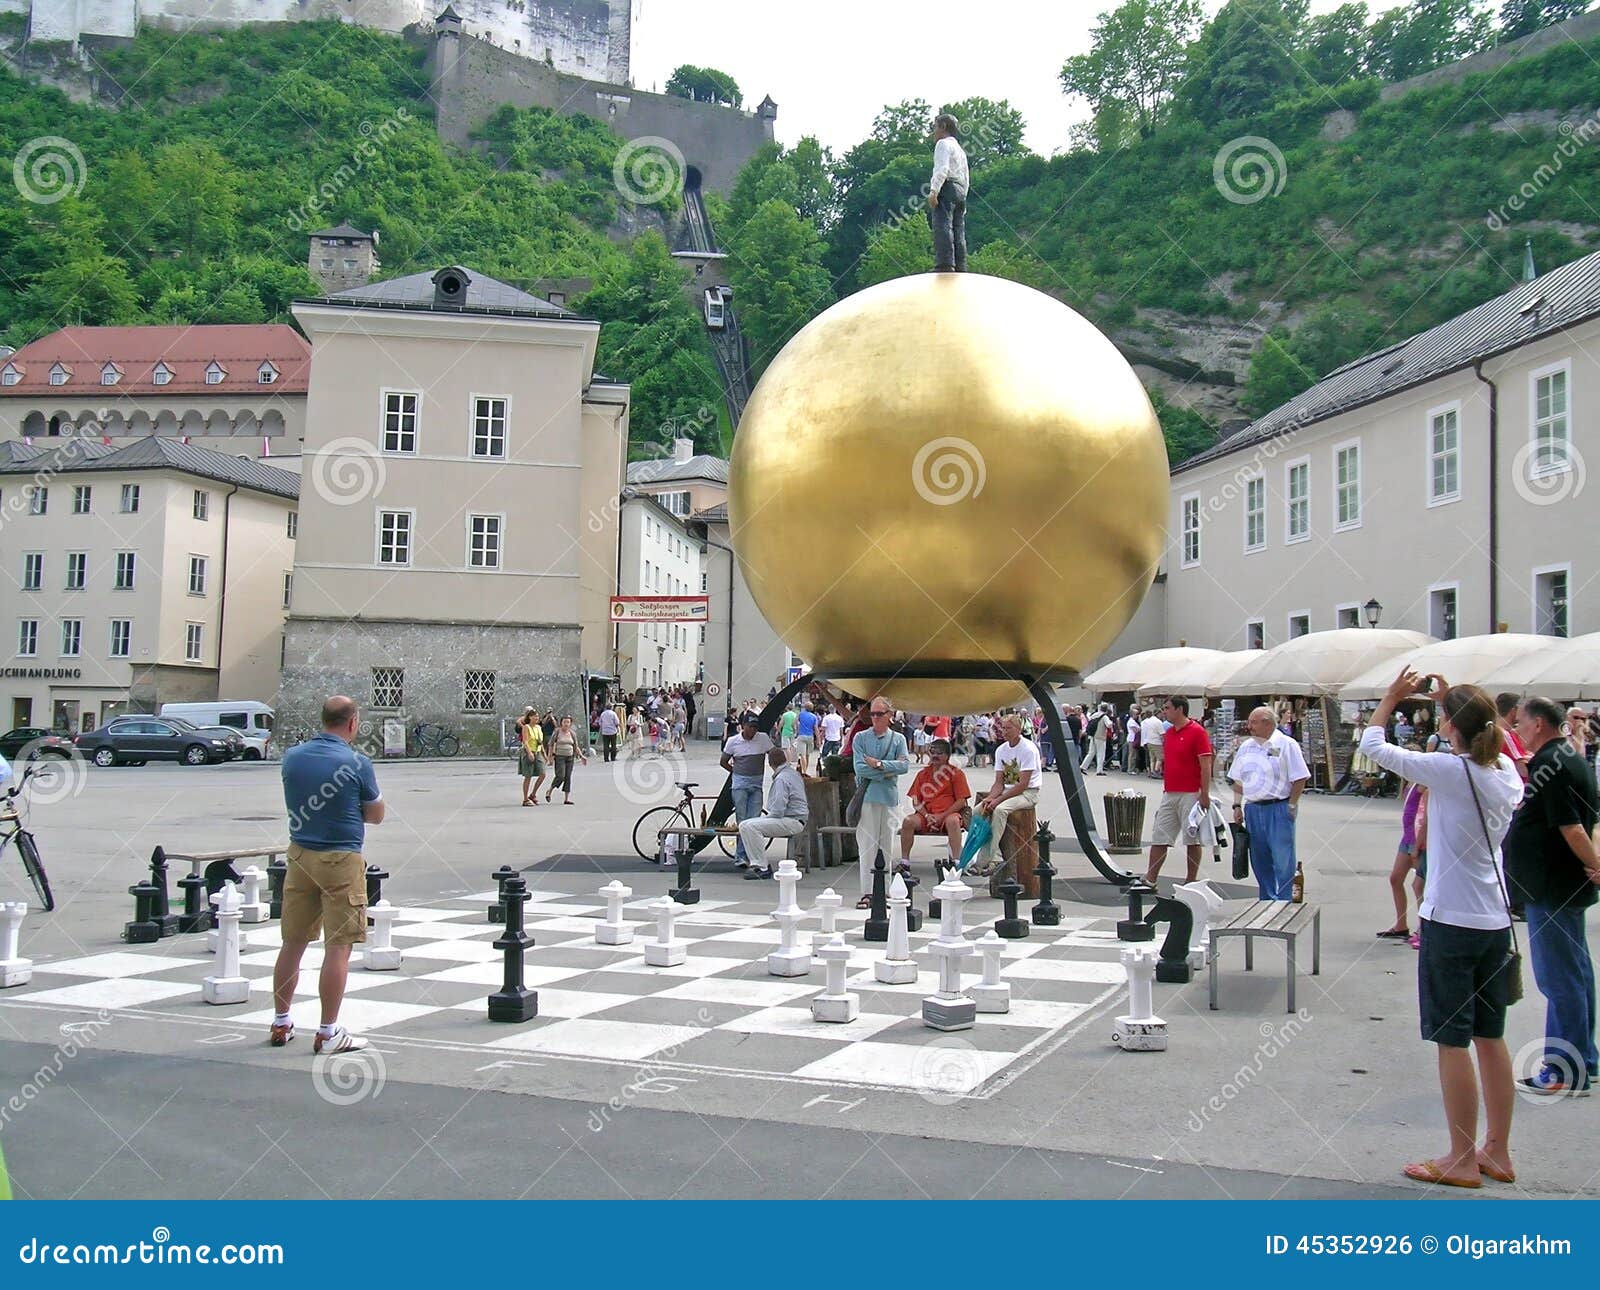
point(252, 720)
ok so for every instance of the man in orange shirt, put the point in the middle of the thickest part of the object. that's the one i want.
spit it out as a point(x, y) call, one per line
point(940, 803)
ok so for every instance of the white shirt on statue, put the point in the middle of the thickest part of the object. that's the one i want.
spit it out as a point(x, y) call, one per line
point(949, 164)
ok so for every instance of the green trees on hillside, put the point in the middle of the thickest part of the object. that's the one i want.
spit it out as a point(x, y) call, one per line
point(1134, 61)
point(705, 85)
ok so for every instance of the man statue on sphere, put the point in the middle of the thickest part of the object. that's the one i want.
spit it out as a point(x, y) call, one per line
point(947, 198)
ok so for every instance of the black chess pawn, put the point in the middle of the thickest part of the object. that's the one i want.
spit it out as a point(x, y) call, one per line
point(876, 927)
point(277, 871)
point(913, 914)
point(683, 893)
point(143, 930)
point(1046, 913)
point(1133, 927)
point(514, 1001)
point(1010, 927)
point(196, 916)
point(497, 911)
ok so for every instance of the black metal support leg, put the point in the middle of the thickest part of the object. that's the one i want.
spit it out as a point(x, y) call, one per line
point(1072, 785)
point(724, 804)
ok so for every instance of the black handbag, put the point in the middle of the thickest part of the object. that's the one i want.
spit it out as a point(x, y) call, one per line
point(1241, 850)
point(1513, 964)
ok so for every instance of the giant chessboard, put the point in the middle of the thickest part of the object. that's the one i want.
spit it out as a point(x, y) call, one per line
point(719, 1011)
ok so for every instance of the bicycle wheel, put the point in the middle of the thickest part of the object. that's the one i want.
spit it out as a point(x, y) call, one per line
point(448, 745)
point(647, 830)
point(35, 870)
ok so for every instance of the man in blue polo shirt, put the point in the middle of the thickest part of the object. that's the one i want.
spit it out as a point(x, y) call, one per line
point(331, 793)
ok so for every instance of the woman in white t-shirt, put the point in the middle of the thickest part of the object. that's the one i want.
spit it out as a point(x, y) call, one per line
point(1463, 984)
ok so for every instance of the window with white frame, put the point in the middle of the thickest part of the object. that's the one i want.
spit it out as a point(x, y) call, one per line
point(214, 374)
point(121, 637)
point(394, 537)
point(266, 374)
point(193, 642)
point(1550, 601)
point(288, 586)
point(197, 575)
point(479, 687)
point(483, 541)
point(81, 497)
point(162, 375)
point(71, 637)
point(400, 421)
point(10, 375)
point(293, 524)
point(202, 504)
point(38, 500)
point(1347, 486)
point(1347, 616)
point(110, 374)
point(1297, 494)
point(677, 503)
point(488, 427)
point(1299, 625)
point(1255, 514)
point(1255, 634)
point(1442, 613)
point(388, 687)
point(1191, 530)
point(1444, 455)
point(58, 374)
point(32, 570)
point(27, 637)
point(125, 571)
point(130, 499)
point(1552, 436)
point(77, 570)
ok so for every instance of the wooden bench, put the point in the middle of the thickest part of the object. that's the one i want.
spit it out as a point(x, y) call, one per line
point(1277, 919)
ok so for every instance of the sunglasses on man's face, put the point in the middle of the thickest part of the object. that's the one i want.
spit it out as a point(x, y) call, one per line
point(876, 715)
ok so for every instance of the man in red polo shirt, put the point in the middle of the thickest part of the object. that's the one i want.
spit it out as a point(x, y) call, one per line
point(941, 802)
point(1185, 780)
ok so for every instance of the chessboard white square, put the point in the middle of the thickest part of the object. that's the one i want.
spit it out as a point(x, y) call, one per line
point(798, 1021)
point(694, 965)
point(565, 923)
point(1036, 1014)
point(1085, 970)
point(118, 992)
point(590, 1037)
point(456, 951)
point(561, 1003)
point(356, 1014)
point(425, 914)
point(756, 991)
point(915, 1066)
point(446, 931)
point(117, 964)
point(310, 961)
point(493, 974)
point(750, 935)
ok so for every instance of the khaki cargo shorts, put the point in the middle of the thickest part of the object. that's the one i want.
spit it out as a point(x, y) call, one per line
point(1171, 823)
point(324, 897)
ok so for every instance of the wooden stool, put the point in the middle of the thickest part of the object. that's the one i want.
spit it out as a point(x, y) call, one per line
point(1019, 853)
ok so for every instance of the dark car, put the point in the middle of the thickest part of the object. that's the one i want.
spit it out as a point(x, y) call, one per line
point(32, 741)
point(138, 739)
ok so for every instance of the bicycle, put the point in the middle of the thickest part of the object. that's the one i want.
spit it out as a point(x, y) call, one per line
point(680, 814)
point(434, 740)
point(27, 848)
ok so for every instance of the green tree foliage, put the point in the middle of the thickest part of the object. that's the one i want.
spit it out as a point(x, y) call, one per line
point(780, 284)
point(1426, 34)
point(704, 85)
point(1243, 60)
point(1334, 49)
point(987, 130)
point(653, 338)
point(1185, 430)
point(1524, 17)
point(1134, 61)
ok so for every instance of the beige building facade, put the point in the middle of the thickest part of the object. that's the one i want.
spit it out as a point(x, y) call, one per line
point(458, 536)
point(659, 558)
point(1444, 478)
point(139, 576)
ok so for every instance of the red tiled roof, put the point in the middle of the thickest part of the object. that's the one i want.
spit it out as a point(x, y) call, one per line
point(238, 349)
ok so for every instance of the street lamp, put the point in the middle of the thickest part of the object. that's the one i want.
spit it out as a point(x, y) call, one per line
point(1373, 611)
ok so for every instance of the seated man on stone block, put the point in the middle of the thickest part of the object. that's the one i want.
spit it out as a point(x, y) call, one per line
point(941, 802)
point(785, 814)
point(1016, 785)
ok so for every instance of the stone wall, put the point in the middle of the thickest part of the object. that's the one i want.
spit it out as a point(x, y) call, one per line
point(1584, 27)
point(532, 664)
point(471, 79)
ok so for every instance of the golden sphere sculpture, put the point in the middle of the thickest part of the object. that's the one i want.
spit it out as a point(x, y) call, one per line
point(948, 468)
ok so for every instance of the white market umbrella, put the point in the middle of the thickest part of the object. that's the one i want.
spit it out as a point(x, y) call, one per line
point(1562, 669)
point(1467, 660)
point(1147, 667)
point(1321, 663)
point(1200, 678)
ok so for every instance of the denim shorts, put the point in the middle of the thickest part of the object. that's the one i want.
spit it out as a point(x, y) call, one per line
point(1463, 988)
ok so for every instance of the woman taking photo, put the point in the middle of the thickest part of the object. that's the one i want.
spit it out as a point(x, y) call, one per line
point(1464, 977)
point(564, 749)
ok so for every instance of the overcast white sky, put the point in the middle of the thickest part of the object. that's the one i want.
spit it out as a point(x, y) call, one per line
point(832, 64)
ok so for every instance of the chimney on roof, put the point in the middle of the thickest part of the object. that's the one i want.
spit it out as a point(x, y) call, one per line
point(1529, 273)
point(682, 449)
point(450, 287)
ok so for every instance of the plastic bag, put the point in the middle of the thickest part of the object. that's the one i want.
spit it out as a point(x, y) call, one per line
point(979, 831)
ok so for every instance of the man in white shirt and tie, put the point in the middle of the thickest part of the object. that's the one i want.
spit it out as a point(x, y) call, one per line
point(1268, 773)
point(947, 198)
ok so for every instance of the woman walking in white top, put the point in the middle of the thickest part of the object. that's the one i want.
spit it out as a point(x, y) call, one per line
point(1463, 981)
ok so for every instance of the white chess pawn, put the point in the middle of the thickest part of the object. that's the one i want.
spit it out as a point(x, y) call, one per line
point(897, 967)
point(381, 954)
point(228, 985)
point(948, 1008)
point(252, 909)
point(991, 994)
point(14, 969)
point(788, 959)
point(614, 929)
point(826, 906)
point(666, 950)
point(212, 934)
point(835, 1003)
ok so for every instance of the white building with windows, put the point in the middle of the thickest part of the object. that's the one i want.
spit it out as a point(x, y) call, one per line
point(458, 537)
point(136, 576)
point(659, 558)
point(1444, 478)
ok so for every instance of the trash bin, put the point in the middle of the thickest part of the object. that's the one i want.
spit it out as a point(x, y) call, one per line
point(714, 726)
point(1124, 823)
